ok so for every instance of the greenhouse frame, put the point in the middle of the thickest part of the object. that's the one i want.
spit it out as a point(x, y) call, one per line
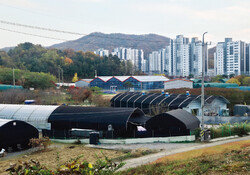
point(152, 103)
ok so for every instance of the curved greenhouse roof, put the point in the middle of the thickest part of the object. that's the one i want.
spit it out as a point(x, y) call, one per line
point(13, 132)
point(175, 122)
point(37, 115)
point(96, 118)
point(148, 101)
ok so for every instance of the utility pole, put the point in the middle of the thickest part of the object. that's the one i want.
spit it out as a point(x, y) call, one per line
point(202, 87)
point(95, 73)
point(13, 75)
point(62, 74)
point(58, 75)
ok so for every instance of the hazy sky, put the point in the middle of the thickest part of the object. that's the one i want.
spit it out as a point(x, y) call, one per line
point(221, 18)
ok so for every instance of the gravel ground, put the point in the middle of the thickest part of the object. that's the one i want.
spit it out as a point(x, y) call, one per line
point(155, 146)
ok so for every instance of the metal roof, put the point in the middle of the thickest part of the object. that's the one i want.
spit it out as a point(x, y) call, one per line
point(142, 78)
point(150, 78)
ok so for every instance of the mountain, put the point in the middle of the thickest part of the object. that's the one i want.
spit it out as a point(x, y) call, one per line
point(6, 49)
point(94, 41)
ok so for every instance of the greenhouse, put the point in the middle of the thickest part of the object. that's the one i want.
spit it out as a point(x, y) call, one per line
point(155, 103)
point(36, 115)
point(127, 82)
point(173, 123)
point(123, 121)
point(15, 132)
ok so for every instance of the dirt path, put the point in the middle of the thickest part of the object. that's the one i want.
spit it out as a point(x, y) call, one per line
point(131, 163)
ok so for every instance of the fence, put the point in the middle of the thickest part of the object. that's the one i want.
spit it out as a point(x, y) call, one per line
point(216, 120)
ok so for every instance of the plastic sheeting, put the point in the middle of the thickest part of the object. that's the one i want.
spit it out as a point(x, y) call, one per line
point(96, 118)
point(13, 132)
point(36, 115)
point(172, 123)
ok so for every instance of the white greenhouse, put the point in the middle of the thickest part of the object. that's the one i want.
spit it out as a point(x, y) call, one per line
point(36, 115)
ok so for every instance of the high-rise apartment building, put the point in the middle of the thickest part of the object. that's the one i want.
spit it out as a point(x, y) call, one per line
point(231, 57)
point(135, 56)
point(102, 52)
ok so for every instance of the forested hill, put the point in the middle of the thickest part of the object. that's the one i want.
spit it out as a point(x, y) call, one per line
point(36, 58)
point(94, 41)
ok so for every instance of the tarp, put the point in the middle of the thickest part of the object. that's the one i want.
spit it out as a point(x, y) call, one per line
point(13, 132)
point(148, 101)
point(175, 122)
point(96, 118)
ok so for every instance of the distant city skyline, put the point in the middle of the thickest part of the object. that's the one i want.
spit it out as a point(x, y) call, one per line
point(221, 18)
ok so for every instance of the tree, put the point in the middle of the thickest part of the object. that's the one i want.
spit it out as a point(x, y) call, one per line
point(233, 80)
point(75, 78)
point(246, 81)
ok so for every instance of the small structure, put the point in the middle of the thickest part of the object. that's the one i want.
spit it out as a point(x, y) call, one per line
point(128, 82)
point(16, 132)
point(152, 103)
point(83, 83)
point(242, 110)
point(7, 87)
point(178, 83)
point(173, 123)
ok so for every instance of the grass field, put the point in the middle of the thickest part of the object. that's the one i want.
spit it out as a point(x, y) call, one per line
point(231, 158)
point(59, 154)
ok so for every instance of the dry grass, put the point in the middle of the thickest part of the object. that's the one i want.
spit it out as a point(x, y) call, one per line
point(231, 158)
point(206, 151)
point(65, 152)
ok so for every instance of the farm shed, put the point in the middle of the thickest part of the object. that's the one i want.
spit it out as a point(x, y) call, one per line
point(173, 123)
point(83, 83)
point(36, 115)
point(14, 132)
point(178, 83)
point(152, 103)
point(124, 121)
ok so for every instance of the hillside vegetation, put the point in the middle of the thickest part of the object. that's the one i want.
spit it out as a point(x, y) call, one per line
point(36, 58)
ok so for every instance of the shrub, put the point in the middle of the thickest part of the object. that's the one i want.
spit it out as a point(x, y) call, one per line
point(43, 142)
point(80, 95)
point(99, 101)
point(101, 167)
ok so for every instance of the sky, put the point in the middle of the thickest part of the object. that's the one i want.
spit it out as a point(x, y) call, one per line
point(220, 18)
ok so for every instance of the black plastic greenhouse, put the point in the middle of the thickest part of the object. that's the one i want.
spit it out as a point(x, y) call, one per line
point(15, 132)
point(173, 123)
point(152, 101)
point(124, 121)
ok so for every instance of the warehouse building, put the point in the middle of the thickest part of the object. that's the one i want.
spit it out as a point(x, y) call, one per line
point(15, 132)
point(83, 83)
point(153, 103)
point(178, 83)
point(129, 82)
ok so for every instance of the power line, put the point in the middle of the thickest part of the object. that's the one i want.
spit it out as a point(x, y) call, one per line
point(41, 36)
point(40, 28)
point(75, 33)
